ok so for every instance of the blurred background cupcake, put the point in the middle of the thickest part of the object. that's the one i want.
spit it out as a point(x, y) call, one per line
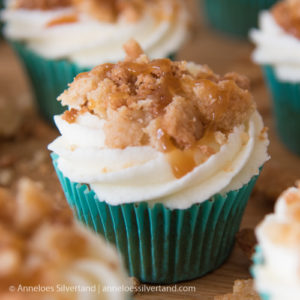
point(56, 40)
point(277, 51)
point(1, 24)
point(45, 254)
point(160, 157)
point(277, 259)
point(234, 17)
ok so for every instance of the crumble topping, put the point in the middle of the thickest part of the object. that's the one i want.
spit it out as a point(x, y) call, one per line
point(287, 15)
point(242, 290)
point(42, 4)
point(287, 233)
point(160, 103)
point(37, 241)
point(105, 10)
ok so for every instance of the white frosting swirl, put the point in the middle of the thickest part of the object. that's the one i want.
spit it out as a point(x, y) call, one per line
point(98, 276)
point(90, 42)
point(137, 174)
point(277, 48)
point(279, 238)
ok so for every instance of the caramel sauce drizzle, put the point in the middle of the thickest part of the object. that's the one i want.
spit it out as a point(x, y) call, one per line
point(184, 161)
point(68, 19)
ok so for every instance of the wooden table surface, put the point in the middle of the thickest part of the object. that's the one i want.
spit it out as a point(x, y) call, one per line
point(221, 53)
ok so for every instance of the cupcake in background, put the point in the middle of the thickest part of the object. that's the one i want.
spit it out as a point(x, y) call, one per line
point(160, 157)
point(277, 51)
point(45, 254)
point(234, 17)
point(56, 40)
point(1, 24)
point(277, 261)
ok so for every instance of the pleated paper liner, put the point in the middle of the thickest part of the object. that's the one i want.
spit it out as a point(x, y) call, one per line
point(286, 106)
point(258, 259)
point(49, 78)
point(235, 17)
point(160, 245)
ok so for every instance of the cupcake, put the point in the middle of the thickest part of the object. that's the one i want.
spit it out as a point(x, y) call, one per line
point(44, 254)
point(1, 25)
point(160, 157)
point(277, 261)
point(234, 17)
point(56, 40)
point(277, 51)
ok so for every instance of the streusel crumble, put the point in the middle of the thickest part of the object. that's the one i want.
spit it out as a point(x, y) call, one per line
point(39, 244)
point(104, 10)
point(287, 15)
point(160, 103)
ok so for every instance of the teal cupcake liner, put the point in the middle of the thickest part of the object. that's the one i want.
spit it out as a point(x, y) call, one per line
point(160, 245)
point(258, 259)
point(48, 78)
point(286, 106)
point(235, 17)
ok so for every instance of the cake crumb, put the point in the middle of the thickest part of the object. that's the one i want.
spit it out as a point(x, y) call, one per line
point(242, 290)
point(133, 50)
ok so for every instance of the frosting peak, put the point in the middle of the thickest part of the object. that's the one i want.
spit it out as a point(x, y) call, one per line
point(279, 238)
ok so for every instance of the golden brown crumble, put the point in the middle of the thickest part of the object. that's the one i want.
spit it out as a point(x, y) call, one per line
point(109, 10)
point(242, 290)
point(287, 15)
point(160, 103)
point(42, 4)
point(292, 199)
point(36, 240)
point(287, 233)
point(105, 10)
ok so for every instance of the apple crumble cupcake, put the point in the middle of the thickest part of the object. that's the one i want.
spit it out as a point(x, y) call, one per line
point(56, 40)
point(160, 157)
point(277, 51)
point(277, 260)
point(44, 254)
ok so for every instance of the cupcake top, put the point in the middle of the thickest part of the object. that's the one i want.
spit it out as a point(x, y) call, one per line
point(279, 238)
point(158, 122)
point(287, 16)
point(89, 32)
point(44, 254)
point(277, 40)
point(103, 10)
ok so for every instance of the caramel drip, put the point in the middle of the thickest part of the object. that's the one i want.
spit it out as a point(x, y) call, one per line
point(181, 161)
point(184, 161)
point(164, 91)
point(169, 85)
point(63, 20)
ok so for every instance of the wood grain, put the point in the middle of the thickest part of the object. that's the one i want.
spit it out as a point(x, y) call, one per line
point(221, 53)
